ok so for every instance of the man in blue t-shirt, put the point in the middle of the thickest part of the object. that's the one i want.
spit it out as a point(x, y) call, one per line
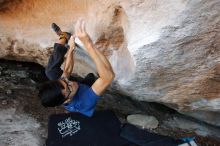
point(74, 96)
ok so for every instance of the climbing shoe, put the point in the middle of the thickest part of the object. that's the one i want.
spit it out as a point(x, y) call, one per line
point(65, 35)
point(62, 35)
point(56, 28)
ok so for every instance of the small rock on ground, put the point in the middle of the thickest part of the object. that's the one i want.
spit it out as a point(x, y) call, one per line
point(143, 121)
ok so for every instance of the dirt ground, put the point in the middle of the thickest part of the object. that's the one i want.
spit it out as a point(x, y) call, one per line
point(23, 121)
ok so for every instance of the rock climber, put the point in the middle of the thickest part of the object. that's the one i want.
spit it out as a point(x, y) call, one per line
point(72, 95)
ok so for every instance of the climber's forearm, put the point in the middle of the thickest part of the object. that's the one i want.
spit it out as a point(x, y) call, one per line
point(102, 64)
point(69, 63)
point(104, 60)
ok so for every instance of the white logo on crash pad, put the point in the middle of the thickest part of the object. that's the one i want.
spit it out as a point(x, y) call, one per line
point(68, 127)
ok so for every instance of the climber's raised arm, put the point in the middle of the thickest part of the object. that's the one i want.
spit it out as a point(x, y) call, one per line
point(106, 74)
point(69, 63)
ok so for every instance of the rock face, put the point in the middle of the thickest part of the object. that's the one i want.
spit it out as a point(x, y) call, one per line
point(161, 51)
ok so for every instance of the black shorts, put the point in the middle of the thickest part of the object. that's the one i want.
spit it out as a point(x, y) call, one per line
point(53, 69)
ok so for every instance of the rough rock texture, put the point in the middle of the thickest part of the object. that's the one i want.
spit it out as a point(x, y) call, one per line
point(161, 51)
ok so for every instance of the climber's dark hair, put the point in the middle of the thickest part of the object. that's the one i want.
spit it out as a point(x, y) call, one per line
point(50, 94)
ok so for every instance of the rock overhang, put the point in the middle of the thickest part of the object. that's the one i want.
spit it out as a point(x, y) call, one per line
point(163, 51)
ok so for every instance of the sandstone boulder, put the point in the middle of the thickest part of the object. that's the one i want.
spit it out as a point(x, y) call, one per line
point(161, 51)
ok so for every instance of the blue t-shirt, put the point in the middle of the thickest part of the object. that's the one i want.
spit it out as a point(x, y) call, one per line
point(84, 101)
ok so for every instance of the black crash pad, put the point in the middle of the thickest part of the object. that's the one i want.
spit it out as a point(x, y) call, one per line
point(142, 137)
point(74, 129)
